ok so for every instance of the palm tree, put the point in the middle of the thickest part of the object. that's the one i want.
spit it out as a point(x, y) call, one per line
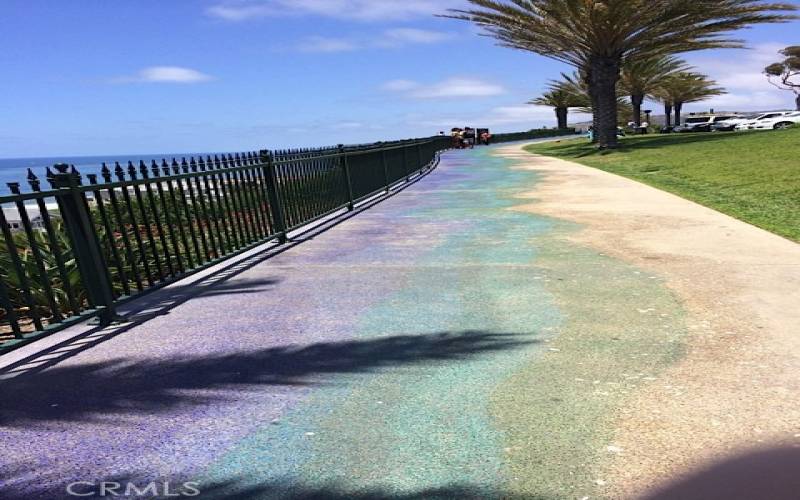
point(668, 106)
point(685, 87)
point(600, 36)
point(641, 77)
point(561, 98)
point(577, 85)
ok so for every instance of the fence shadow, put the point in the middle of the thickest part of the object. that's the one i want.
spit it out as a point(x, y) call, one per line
point(161, 301)
point(120, 387)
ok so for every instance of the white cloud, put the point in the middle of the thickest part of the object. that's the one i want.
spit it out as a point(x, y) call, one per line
point(348, 125)
point(407, 36)
point(750, 101)
point(358, 10)
point(389, 39)
point(165, 74)
point(514, 116)
point(326, 45)
point(450, 88)
point(740, 72)
point(239, 11)
point(458, 87)
point(399, 85)
point(527, 113)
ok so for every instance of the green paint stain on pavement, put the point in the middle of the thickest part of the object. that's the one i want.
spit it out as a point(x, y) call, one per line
point(622, 327)
point(529, 413)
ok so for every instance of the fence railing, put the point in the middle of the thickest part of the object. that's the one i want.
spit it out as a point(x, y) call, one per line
point(79, 249)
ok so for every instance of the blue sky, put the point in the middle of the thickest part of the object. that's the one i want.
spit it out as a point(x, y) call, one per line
point(89, 77)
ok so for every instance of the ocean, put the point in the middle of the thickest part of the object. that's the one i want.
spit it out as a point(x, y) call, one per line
point(16, 169)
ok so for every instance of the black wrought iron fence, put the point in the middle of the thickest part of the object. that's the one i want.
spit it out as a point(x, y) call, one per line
point(82, 247)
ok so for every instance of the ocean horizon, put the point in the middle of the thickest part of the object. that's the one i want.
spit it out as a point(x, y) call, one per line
point(16, 169)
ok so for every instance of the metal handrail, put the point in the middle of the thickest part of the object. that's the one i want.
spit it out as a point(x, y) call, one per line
point(93, 245)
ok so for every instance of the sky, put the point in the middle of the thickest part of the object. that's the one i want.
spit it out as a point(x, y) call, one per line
point(92, 77)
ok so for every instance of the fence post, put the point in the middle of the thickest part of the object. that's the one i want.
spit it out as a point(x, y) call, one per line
point(11, 315)
point(89, 256)
point(385, 167)
point(347, 179)
point(273, 196)
point(405, 161)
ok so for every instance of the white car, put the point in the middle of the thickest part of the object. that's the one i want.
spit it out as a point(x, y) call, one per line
point(731, 123)
point(754, 123)
point(701, 123)
point(779, 122)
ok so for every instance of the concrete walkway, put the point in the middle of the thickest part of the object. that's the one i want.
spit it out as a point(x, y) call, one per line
point(360, 361)
point(446, 343)
point(727, 411)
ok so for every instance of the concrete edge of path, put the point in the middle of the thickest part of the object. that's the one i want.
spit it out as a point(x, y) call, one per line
point(733, 393)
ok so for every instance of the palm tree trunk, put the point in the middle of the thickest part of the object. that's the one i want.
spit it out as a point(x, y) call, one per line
point(603, 76)
point(561, 117)
point(636, 102)
point(678, 106)
point(667, 114)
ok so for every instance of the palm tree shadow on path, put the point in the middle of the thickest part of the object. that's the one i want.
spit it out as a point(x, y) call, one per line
point(236, 489)
point(91, 391)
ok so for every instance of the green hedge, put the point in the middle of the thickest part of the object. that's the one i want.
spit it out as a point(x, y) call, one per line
point(533, 134)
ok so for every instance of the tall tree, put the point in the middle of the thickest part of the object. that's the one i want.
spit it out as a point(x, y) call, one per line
point(577, 85)
point(667, 113)
point(599, 36)
point(560, 97)
point(786, 74)
point(686, 87)
point(641, 77)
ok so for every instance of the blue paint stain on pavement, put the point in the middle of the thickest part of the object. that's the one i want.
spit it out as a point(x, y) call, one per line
point(465, 268)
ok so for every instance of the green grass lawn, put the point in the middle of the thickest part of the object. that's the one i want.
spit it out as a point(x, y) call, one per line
point(753, 176)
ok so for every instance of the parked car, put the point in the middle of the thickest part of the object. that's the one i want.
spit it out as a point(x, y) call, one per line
point(731, 123)
point(779, 122)
point(701, 123)
point(754, 123)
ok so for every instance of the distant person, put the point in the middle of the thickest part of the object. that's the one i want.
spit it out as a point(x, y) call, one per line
point(469, 137)
point(643, 128)
point(590, 133)
point(457, 138)
point(486, 138)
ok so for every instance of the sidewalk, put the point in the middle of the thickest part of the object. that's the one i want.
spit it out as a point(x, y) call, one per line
point(509, 326)
point(362, 358)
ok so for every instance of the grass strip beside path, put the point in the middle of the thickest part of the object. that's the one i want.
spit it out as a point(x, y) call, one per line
point(753, 176)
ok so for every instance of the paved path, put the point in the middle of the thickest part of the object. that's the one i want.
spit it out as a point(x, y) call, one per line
point(361, 360)
point(446, 343)
point(729, 405)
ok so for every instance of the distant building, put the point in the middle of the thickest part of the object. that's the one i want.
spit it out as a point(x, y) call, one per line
point(14, 219)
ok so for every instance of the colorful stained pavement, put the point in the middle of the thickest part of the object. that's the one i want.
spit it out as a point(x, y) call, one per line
point(440, 344)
